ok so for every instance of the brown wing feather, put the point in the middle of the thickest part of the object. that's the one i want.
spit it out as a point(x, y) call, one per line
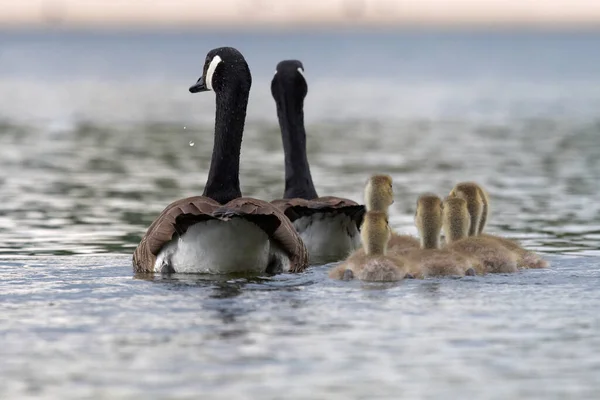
point(181, 214)
point(296, 208)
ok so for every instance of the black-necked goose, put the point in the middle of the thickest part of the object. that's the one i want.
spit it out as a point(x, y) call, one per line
point(220, 231)
point(329, 226)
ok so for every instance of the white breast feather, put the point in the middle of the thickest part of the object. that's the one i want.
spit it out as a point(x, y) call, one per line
point(219, 247)
point(329, 237)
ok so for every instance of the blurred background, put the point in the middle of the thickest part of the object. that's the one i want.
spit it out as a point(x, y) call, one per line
point(286, 13)
point(98, 132)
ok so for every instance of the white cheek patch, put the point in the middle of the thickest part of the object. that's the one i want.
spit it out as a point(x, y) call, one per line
point(301, 71)
point(211, 71)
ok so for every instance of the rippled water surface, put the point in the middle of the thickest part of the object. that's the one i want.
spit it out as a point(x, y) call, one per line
point(95, 140)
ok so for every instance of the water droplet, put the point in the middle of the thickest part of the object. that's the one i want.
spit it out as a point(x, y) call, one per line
point(192, 143)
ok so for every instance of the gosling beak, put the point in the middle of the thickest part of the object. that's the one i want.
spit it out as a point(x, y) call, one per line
point(200, 86)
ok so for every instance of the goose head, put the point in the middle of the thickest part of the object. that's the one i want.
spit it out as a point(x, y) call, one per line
point(456, 219)
point(289, 79)
point(375, 233)
point(224, 67)
point(379, 193)
point(428, 219)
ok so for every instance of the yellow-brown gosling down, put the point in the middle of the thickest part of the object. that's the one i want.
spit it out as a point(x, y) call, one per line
point(430, 260)
point(478, 204)
point(495, 257)
point(373, 264)
point(379, 195)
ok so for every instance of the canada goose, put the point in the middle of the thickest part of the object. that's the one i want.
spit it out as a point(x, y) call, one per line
point(373, 264)
point(430, 260)
point(328, 226)
point(456, 220)
point(220, 231)
point(478, 204)
point(379, 195)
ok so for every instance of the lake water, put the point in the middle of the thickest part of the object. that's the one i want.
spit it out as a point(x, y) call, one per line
point(95, 140)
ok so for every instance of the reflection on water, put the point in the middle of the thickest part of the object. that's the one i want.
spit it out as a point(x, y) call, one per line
point(79, 327)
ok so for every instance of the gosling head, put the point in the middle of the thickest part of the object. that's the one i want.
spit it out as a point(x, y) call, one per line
point(428, 219)
point(375, 233)
point(472, 194)
point(455, 219)
point(379, 194)
point(224, 67)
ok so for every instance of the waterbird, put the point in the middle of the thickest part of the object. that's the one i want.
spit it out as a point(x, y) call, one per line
point(379, 196)
point(430, 259)
point(329, 225)
point(493, 257)
point(478, 205)
point(221, 231)
point(374, 264)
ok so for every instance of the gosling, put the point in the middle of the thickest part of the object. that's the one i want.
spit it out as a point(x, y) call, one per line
point(429, 260)
point(478, 204)
point(379, 195)
point(374, 264)
point(456, 222)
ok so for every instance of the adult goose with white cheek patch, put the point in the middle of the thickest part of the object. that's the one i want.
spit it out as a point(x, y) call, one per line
point(220, 231)
point(329, 226)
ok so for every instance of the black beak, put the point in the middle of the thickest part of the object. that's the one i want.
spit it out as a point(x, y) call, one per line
point(200, 86)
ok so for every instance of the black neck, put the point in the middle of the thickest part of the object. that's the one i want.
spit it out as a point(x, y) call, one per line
point(223, 183)
point(298, 181)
